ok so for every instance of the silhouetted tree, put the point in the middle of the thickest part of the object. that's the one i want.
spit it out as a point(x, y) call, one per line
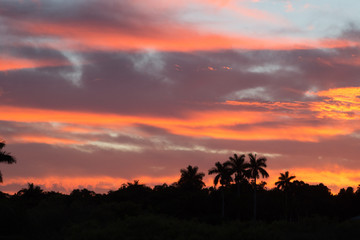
point(82, 193)
point(223, 174)
point(31, 195)
point(348, 192)
point(191, 179)
point(5, 157)
point(357, 193)
point(32, 190)
point(135, 184)
point(256, 168)
point(239, 168)
point(284, 184)
point(284, 181)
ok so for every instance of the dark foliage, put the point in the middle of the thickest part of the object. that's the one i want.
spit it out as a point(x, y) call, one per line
point(136, 211)
point(5, 157)
point(187, 210)
point(191, 179)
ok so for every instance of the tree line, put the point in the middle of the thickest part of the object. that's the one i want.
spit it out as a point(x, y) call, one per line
point(236, 165)
point(236, 198)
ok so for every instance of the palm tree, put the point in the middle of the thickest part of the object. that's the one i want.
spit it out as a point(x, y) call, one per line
point(284, 184)
point(256, 168)
point(358, 190)
point(5, 157)
point(284, 181)
point(239, 167)
point(223, 173)
point(191, 179)
point(33, 191)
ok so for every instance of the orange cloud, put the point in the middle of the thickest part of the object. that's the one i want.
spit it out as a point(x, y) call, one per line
point(272, 105)
point(44, 139)
point(194, 119)
point(185, 39)
point(339, 103)
point(260, 121)
point(334, 177)
point(180, 38)
point(345, 95)
point(214, 124)
point(8, 63)
point(295, 132)
point(341, 108)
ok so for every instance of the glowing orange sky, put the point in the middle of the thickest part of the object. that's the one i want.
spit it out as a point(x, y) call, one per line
point(207, 123)
point(334, 177)
point(8, 63)
point(186, 39)
point(152, 86)
point(334, 105)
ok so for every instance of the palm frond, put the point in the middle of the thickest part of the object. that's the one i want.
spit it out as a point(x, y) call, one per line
point(291, 178)
point(264, 173)
point(261, 162)
point(252, 157)
point(213, 170)
point(216, 179)
point(6, 157)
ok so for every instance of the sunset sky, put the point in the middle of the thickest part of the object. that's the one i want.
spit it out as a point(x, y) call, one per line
point(98, 93)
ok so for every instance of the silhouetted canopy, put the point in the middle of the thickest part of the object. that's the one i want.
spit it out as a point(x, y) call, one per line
point(31, 191)
point(5, 157)
point(257, 167)
point(223, 173)
point(284, 181)
point(238, 166)
point(191, 179)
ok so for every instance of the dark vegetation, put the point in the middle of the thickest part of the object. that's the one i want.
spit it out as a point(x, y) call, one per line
point(5, 157)
point(187, 209)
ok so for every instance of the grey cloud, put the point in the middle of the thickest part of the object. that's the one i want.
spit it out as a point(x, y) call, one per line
point(94, 14)
point(111, 82)
point(351, 32)
point(41, 160)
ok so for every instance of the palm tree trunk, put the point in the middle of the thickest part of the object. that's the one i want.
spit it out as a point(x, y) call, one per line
point(222, 204)
point(254, 199)
point(238, 189)
point(286, 206)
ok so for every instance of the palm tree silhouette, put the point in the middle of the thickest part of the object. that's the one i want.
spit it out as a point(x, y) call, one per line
point(33, 191)
point(191, 179)
point(284, 181)
point(5, 157)
point(223, 173)
point(239, 167)
point(284, 184)
point(256, 168)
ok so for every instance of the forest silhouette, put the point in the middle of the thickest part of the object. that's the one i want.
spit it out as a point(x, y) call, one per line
point(236, 207)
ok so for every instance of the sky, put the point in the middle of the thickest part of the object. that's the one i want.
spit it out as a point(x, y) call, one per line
point(97, 93)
